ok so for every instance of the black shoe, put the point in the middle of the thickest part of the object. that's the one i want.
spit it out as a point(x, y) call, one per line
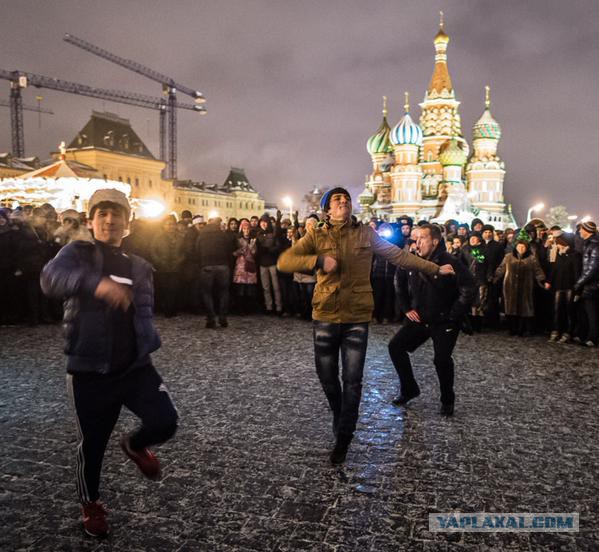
point(446, 409)
point(211, 324)
point(340, 451)
point(402, 400)
point(223, 323)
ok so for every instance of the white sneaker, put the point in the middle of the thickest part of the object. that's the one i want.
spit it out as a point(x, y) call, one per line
point(553, 336)
point(564, 338)
point(589, 343)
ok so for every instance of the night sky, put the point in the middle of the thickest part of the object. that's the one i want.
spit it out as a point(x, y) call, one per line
point(294, 88)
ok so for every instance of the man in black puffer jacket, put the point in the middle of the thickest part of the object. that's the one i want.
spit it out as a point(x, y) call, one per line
point(588, 283)
point(109, 337)
point(434, 307)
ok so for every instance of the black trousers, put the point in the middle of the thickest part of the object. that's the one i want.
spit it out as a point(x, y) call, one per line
point(214, 283)
point(97, 400)
point(591, 309)
point(412, 335)
point(564, 311)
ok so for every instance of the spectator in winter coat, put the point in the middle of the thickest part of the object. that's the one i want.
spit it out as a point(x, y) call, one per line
point(268, 253)
point(245, 277)
point(214, 251)
point(519, 270)
point(588, 283)
point(477, 263)
point(563, 274)
point(167, 257)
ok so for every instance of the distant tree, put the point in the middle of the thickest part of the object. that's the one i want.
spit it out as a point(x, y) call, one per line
point(557, 216)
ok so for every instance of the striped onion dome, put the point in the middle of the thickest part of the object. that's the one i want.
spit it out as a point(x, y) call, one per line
point(379, 142)
point(406, 132)
point(452, 154)
point(486, 127)
point(366, 198)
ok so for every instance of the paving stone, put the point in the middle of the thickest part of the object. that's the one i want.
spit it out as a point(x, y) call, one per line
point(248, 469)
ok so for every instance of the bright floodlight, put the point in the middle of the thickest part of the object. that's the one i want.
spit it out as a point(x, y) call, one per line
point(151, 208)
point(572, 217)
point(586, 218)
point(287, 201)
point(538, 207)
point(213, 214)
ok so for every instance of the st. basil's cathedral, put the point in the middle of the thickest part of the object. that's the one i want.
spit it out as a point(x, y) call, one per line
point(426, 170)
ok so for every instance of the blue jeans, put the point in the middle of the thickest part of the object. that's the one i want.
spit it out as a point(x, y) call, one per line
point(344, 397)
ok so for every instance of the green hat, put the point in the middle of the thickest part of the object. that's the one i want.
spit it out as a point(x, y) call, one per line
point(522, 236)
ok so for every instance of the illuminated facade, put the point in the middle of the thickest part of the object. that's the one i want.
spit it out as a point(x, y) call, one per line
point(426, 170)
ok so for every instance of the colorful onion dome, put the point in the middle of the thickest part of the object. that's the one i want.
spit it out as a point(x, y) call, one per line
point(452, 154)
point(379, 142)
point(486, 126)
point(406, 131)
point(366, 198)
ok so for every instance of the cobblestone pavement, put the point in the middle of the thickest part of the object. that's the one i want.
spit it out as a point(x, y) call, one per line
point(248, 468)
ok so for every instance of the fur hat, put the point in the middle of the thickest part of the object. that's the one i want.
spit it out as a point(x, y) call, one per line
point(108, 195)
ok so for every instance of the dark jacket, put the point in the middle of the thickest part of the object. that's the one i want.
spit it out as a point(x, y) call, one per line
point(73, 275)
point(565, 271)
point(167, 252)
point(477, 263)
point(494, 253)
point(214, 247)
point(588, 283)
point(269, 247)
point(439, 299)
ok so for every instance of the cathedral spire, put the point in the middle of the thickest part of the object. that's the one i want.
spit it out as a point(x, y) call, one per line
point(441, 81)
point(406, 105)
point(487, 96)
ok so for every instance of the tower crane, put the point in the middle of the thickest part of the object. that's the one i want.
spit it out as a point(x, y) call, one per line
point(21, 79)
point(169, 86)
point(6, 103)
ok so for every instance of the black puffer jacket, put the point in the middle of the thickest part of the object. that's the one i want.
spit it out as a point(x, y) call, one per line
point(73, 275)
point(439, 299)
point(588, 283)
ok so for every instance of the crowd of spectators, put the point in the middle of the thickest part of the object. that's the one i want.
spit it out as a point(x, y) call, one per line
point(532, 280)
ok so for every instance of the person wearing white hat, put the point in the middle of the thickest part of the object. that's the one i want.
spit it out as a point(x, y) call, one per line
point(108, 300)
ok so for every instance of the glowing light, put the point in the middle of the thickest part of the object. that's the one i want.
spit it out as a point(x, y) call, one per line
point(62, 193)
point(537, 207)
point(213, 214)
point(586, 218)
point(148, 208)
point(386, 233)
point(288, 202)
point(572, 217)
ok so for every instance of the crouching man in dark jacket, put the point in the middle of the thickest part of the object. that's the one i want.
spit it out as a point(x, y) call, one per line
point(109, 337)
point(434, 307)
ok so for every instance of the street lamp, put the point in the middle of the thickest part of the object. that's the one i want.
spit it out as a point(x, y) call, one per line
point(288, 202)
point(536, 207)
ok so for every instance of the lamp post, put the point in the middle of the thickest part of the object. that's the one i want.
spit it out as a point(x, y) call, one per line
point(536, 207)
point(288, 202)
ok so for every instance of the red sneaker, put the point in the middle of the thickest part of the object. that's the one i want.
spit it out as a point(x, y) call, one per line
point(145, 459)
point(94, 519)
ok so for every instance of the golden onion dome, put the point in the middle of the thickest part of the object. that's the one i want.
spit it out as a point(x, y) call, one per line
point(452, 154)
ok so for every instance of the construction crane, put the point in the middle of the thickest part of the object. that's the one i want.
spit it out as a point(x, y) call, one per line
point(6, 103)
point(169, 87)
point(21, 79)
